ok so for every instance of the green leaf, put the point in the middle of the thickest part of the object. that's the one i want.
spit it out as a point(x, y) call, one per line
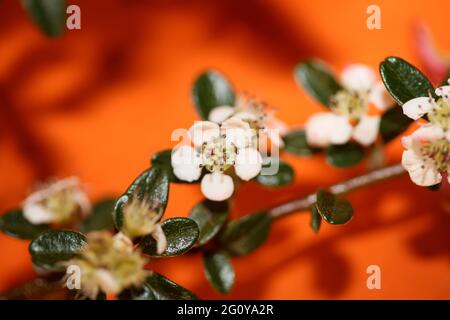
point(316, 219)
point(393, 123)
point(49, 15)
point(164, 289)
point(144, 293)
point(318, 80)
point(181, 235)
point(404, 81)
point(242, 236)
point(284, 175)
point(210, 217)
point(295, 142)
point(54, 246)
point(219, 271)
point(100, 218)
point(333, 210)
point(345, 155)
point(212, 89)
point(14, 224)
point(151, 185)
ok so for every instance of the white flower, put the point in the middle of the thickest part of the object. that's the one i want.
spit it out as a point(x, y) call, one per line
point(257, 115)
point(60, 202)
point(350, 117)
point(427, 154)
point(218, 149)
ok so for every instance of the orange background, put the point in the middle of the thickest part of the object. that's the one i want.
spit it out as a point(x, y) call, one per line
point(98, 102)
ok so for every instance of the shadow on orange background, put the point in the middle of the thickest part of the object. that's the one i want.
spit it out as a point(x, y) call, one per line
point(98, 102)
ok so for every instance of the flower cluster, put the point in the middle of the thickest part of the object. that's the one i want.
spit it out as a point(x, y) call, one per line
point(352, 115)
point(427, 154)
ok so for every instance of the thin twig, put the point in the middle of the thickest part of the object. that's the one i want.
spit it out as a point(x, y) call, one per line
point(340, 188)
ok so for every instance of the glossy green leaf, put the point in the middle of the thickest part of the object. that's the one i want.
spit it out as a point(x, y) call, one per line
point(393, 123)
point(164, 289)
point(54, 246)
point(49, 15)
point(283, 176)
point(219, 271)
point(101, 217)
point(143, 293)
point(295, 142)
point(14, 224)
point(333, 210)
point(318, 80)
point(345, 155)
point(151, 185)
point(181, 235)
point(210, 216)
point(242, 236)
point(316, 219)
point(404, 81)
point(212, 89)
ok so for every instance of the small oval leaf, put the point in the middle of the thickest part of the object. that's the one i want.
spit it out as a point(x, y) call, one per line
point(393, 123)
point(210, 217)
point(151, 185)
point(212, 89)
point(404, 81)
point(181, 234)
point(345, 155)
point(100, 218)
point(14, 224)
point(242, 236)
point(219, 271)
point(318, 80)
point(316, 219)
point(284, 175)
point(54, 246)
point(333, 210)
point(49, 15)
point(165, 289)
point(295, 142)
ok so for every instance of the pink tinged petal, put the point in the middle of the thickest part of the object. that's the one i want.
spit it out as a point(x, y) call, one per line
point(317, 128)
point(246, 116)
point(340, 130)
point(220, 114)
point(203, 131)
point(107, 281)
point(160, 238)
point(237, 132)
point(248, 163)
point(217, 186)
point(380, 97)
point(417, 107)
point(422, 171)
point(366, 131)
point(37, 214)
point(428, 132)
point(443, 92)
point(358, 77)
point(186, 163)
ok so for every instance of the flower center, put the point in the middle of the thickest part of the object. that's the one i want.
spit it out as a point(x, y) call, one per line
point(140, 218)
point(217, 154)
point(62, 204)
point(440, 115)
point(352, 104)
point(439, 152)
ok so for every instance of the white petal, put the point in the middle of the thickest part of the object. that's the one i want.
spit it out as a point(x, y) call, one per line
point(37, 214)
point(237, 132)
point(107, 281)
point(366, 131)
point(325, 128)
point(422, 171)
point(417, 107)
point(246, 116)
point(248, 163)
point(122, 243)
point(220, 114)
point(428, 132)
point(217, 186)
point(443, 92)
point(160, 237)
point(358, 77)
point(203, 131)
point(186, 163)
point(380, 97)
